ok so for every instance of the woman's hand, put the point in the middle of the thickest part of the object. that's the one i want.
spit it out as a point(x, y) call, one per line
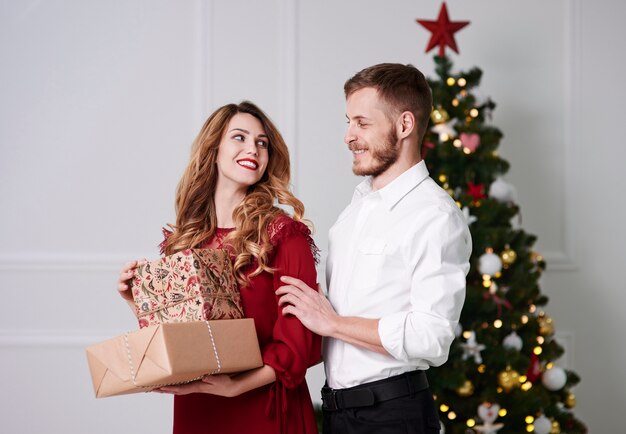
point(127, 273)
point(225, 385)
point(221, 385)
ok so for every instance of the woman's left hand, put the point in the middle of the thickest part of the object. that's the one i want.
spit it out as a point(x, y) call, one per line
point(221, 385)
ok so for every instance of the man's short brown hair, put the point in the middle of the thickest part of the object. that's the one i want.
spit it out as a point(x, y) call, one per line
point(401, 88)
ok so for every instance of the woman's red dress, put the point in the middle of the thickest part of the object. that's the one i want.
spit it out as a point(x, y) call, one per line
point(286, 345)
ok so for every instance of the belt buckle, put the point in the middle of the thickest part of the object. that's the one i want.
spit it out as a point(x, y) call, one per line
point(330, 400)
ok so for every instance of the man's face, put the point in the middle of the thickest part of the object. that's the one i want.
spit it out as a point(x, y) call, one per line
point(370, 136)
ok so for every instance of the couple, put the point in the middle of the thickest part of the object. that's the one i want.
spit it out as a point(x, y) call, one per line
point(397, 262)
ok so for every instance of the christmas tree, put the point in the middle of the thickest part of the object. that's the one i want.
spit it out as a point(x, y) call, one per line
point(502, 374)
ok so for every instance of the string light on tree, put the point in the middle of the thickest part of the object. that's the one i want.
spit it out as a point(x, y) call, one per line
point(505, 329)
point(439, 115)
point(466, 389)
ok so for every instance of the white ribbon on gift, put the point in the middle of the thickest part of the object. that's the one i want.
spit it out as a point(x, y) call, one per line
point(134, 376)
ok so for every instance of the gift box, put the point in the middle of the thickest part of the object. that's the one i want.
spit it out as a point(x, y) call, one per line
point(172, 353)
point(191, 285)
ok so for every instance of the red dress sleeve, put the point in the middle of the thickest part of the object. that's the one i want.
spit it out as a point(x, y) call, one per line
point(293, 348)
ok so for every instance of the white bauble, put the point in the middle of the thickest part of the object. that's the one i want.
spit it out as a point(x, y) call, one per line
point(502, 191)
point(512, 342)
point(554, 378)
point(542, 425)
point(442, 430)
point(488, 412)
point(489, 263)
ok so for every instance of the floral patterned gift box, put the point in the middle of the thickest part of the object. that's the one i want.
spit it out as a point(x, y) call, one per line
point(191, 285)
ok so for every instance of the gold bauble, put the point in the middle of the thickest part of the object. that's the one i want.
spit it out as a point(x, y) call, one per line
point(536, 259)
point(546, 325)
point(570, 400)
point(556, 427)
point(508, 256)
point(508, 379)
point(439, 115)
point(466, 389)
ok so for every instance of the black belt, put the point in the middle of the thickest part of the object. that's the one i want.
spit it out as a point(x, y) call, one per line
point(378, 391)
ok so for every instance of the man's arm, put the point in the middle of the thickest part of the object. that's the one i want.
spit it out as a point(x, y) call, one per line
point(313, 309)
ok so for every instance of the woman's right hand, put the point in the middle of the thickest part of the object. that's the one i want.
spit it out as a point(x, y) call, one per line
point(127, 273)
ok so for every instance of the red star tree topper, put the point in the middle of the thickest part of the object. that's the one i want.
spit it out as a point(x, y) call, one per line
point(442, 31)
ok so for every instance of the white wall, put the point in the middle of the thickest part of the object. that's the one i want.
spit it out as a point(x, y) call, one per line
point(99, 103)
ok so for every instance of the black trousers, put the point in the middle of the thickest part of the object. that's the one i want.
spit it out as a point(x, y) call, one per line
point(414, 413)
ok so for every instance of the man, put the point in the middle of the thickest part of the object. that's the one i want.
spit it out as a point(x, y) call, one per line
point(397, 261)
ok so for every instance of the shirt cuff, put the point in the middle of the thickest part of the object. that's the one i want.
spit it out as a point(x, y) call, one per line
point(391, 333)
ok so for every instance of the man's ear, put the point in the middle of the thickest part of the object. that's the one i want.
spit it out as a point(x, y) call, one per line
point(406, 124)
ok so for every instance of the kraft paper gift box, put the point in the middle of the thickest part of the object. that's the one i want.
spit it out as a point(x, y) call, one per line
point(172, 353)
point(191, 285)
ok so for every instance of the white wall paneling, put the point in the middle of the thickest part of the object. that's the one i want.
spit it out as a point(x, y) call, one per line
point(101, 101)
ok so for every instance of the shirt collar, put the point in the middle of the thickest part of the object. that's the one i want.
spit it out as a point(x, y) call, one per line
point(396, 189)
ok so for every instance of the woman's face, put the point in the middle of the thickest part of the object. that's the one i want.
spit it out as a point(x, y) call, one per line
point(243, 153)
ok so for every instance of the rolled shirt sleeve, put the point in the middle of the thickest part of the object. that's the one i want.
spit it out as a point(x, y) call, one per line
point(440, 252)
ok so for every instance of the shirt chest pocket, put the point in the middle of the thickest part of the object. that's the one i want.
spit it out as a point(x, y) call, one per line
point(372, 246)
point(372, 255)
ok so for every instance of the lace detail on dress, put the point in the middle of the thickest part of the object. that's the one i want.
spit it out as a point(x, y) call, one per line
point(284, 227)
point(280, 229)
point(215, 242)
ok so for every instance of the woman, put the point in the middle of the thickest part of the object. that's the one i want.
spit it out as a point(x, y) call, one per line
point(239, 167)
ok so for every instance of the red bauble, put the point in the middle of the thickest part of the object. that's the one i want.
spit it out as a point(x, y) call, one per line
point(534, 370)
point(442, 31)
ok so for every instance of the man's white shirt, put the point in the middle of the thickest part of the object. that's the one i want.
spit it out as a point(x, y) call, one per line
point(400, 254)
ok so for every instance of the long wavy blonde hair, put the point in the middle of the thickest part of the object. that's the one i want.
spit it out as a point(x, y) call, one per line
point(196, 220)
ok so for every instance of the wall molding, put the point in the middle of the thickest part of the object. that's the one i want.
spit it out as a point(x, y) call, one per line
point(566, 258)
point(65, 262)
point(79, 339)
point(62, 339)
point(203, 74)
point(566, 340)
point(288, 77)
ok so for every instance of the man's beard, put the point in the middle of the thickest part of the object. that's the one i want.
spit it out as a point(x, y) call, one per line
point(382, 157)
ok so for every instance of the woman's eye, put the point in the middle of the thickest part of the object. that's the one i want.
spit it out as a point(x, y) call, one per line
point(262, 144)
point(239, 137)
